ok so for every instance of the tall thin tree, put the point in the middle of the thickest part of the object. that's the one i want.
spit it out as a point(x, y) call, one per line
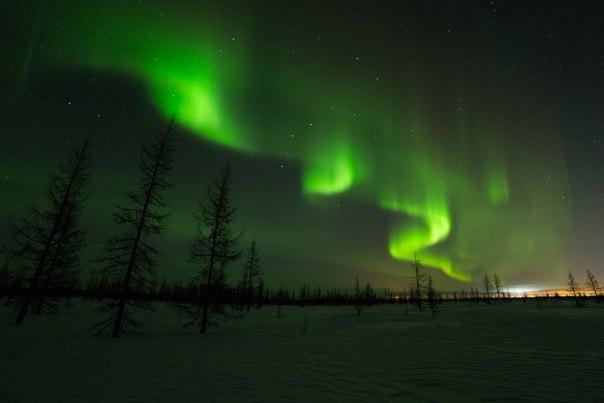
point(592, 282)
point(498, 286)
point(35, 243)
point(488, 286)
point(252, 274)
point(573, 287)
point(130, 259)
point(419, 281)
point(432, 297)
point(62, 272)
point(214, 247)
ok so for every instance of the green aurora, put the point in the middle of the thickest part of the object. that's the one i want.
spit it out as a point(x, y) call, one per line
point(462, 186)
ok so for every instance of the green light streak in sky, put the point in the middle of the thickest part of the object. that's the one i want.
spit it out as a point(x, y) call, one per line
point(185, 71)
point(497, 185)
point(431, 224)
point(456, 210)
point(329, 170)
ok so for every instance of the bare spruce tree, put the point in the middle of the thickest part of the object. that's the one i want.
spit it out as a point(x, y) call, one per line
point(488, 286)
point(63, 268)
point(573, 287)
point(419, 282)
point(592, 282)
point(44, 245)
point(498, 286)
point(214, 247)
point(130, 259)
point(432, 297)
point(252, 274)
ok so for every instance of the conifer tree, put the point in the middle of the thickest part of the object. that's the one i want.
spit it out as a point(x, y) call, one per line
point(498, 286)
point(592, 282)
point(252, 276)
point(432, 297)
point(488, 285)
point(46, 244)
point(573, 287)
point(214, 247)
point(63, 267)
point(130, 257)
point(419, 282)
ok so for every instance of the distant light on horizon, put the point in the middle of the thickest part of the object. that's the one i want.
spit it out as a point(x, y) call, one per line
point(523, 288)
point(537, 290)
point(352, 154)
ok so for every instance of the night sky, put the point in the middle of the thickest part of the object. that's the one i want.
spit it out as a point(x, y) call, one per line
point(359, 133)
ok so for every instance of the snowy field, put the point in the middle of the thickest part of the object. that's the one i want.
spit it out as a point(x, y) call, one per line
point(538, 351)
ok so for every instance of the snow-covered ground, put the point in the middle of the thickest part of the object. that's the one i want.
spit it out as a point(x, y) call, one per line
point(538, 351)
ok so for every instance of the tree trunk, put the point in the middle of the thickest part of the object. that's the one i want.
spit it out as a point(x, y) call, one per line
point(124, 295)
point(55, 227)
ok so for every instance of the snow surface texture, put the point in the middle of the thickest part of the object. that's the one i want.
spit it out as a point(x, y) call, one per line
point(538, 351)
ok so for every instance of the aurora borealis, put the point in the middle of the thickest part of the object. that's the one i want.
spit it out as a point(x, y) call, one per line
point(360, 135)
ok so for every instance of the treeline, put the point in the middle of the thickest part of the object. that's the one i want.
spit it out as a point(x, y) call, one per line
point(164, 291)
point(41, 270)
point(44, 247)
point(248, 294)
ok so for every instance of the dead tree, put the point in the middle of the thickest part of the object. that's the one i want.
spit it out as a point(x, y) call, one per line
point(432, 297)
point(212, 250)
point(62, 271)
point(574, 289)
point(487, 287)
point(252, 274)
point(419, 282)
point(498, 286)
point(37, 243)
point(592, 282)
point(130, 258)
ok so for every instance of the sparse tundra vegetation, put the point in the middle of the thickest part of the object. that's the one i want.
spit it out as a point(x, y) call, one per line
point(262, 342)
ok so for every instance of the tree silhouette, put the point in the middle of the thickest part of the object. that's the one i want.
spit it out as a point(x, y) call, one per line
point(592, 282)
point(498, 286)
point(574, 289)
point(432, 297)
point(251, 275)
point(62, 271)
point(419, 282)
point(130, 258)
point(46, 244)
point(488, 286)
point(212, 250)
